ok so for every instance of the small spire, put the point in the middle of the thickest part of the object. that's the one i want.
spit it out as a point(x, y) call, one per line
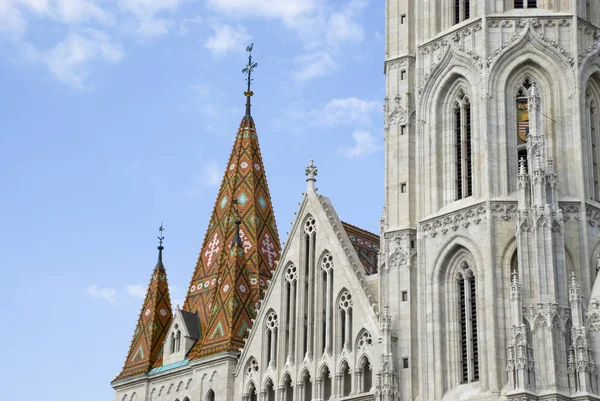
point(311, 173)
point(237, 239)
point(522, 166)
point(248, 71)
point(161, 238)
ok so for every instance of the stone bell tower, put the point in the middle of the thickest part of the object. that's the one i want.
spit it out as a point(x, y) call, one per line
point(491, 223)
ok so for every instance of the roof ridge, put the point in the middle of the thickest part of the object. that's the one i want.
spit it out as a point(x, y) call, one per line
point(358, 228)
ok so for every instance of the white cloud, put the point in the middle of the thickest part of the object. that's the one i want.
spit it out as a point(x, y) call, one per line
point(348, 110)
point(364, 143)
point(146, 12)
point(212, 175)
point(226, 38)
point(12, 21)
point(184, 25)
point(343, 28)
point(286, 10)
point(135, 291)
point(70, 60)
point(76, 11)
point(314, 65)
point(105, 293)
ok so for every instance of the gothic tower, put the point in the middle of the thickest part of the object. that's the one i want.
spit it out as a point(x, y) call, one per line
point(492, 198)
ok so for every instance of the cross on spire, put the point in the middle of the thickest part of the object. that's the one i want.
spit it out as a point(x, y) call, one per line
point(161, 236)
point(248, 71)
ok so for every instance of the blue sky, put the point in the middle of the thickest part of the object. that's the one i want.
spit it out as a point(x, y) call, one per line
point(118, 115)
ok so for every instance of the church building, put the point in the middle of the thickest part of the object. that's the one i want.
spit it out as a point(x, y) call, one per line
point(480, 285)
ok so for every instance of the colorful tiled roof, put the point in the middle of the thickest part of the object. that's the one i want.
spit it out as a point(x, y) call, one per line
point(152, 326)
point(245, 181)
point(366, 245)
point(232, 306)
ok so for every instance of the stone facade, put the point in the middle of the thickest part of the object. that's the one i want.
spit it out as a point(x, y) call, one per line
point(489, 247)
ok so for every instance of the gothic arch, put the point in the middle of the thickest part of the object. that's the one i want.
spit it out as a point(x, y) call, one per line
point(364, 342)
point(322, 368)
point(189, 382)
point(179, 386)
point(458, 255)
point(450, 64)
point(505, 80)
point(528, 48)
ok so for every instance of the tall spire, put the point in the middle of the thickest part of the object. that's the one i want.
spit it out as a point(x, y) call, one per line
point(243, 197)
point(248, 71)
point(153, 323)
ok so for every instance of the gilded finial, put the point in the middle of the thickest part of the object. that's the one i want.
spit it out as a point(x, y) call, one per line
point(248, 71)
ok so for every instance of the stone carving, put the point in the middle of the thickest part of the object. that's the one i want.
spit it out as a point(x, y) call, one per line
point(454, 41)
point(592, 215)
point(535, 27)
point(453, 221)
point(402, 248)
point(396, 113)
point(592, 50)
point(504, 211)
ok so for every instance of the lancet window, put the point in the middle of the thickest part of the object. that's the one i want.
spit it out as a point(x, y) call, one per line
point(467, 319)
point(345, 320)
point(326, 384)
point(365, 375)
point(593, 133)
point(346, 380)
point(326, 301)
point(288, 389)
point(461, 10)
point(290, 285)
point(175, 339)
point(463, 146)
point(271, 326)
point(522, 113)
point(308, 262)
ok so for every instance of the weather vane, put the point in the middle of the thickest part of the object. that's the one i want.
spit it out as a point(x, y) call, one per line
point(249, 68)
point(161, 237)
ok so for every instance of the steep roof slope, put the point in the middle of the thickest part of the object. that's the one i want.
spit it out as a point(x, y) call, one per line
point(152, 326)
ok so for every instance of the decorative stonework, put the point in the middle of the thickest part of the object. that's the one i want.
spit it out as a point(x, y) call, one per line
point(504, 211)
point(545, 30)
point(454, 41)
point(402, 249)
point(397, 112)
point(453, 221)
point(592, 46)
point(592, 215)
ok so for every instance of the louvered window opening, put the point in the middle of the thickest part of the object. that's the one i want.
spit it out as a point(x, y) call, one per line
point(469, 345)
point(463, 149)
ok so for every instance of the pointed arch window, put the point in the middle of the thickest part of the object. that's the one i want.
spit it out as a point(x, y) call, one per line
point(291, 280)
point(522, 112)
point(461, 10)
point(327, 300)
point(308, 307)
point(593, 135)
point(346, 380)
point(345, 320)
point(467, 319)
point(463, 146)
point(271, 327)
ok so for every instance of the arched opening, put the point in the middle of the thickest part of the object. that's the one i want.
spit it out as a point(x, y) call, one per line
point(463, 158)
point(288, 389)
point(307, 386)
point(291, 280)
point(326, 301)
point(210, 396)
point(346, 384)
point(345, 320)
point(271, 323)
point(252, 395)
point(270, 390)
point(308, 263)
point(326, 380)
point(367, 374)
